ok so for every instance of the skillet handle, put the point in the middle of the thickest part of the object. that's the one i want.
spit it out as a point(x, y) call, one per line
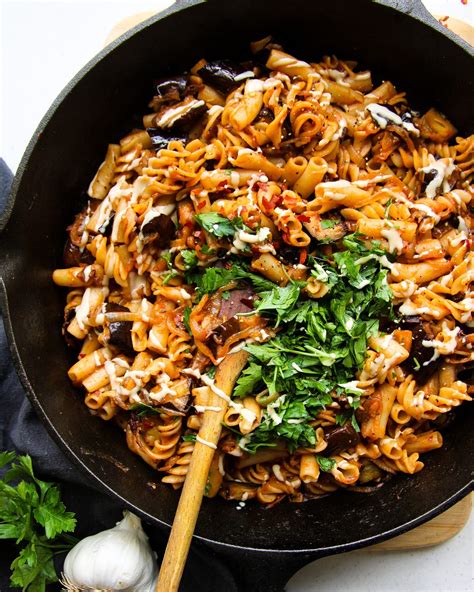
point(263, 571)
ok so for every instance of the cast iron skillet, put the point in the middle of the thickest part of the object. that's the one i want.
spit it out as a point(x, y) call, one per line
point(398, 41)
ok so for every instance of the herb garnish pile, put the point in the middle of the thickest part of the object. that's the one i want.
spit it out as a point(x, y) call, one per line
point(320, 344)
point(33, 515)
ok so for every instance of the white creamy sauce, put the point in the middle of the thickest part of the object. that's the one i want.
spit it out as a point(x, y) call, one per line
point(433, 358)
point(383, 116)
point(87, 273)
point(120, 362)
point(220, 465)
point(268, 248)
point(415, 206)
point(174, 113)
point(192, 372)
point(338, 76)
point(203, 408)
point(340, 130)
point(270, 83)
point(155, 212)
point(444, 347)
point(462, 226)
point(366, 182)
point(242, 238)
point(244, 75)
point(457, 240)
point(382, 259)
point(234, 178)
point(443, 167)
point(206, 443)
point(253, 86)
point(395, 242)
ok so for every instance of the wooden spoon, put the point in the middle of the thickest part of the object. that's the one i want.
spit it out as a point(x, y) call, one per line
point(191, 497)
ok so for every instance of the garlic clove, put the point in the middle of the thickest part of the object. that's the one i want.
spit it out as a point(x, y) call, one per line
point(117, 559)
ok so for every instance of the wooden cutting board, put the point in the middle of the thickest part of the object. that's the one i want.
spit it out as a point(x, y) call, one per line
point(446, 525)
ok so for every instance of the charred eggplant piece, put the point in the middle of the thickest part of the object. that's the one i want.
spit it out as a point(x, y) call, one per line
point(289, 255)
point(223, 75)
point(160, 229)
point(171, 89)
point(71, 341)
point(181, 116)
point(419, 362)
point(73, 256)
point(340, 438)
point(239, 301)
point(161, 138)
point(120, 335)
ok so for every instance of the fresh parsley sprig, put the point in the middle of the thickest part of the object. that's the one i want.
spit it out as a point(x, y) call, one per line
point(33, 515)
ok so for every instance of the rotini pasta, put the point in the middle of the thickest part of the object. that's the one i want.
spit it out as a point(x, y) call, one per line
point(297, 211)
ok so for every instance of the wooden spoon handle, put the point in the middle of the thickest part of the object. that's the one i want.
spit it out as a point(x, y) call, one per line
point(191, 497)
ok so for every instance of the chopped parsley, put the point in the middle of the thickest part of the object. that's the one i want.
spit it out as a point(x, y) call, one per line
point(329, 223)
point(325, 464)
point(219, 226)
point(213, 278)
point(186, 315)
point(321, 344)
point(190, 258)
point(142, 409)
point(189, 438)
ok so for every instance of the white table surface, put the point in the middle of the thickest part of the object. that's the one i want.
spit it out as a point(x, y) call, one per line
point(43, 44)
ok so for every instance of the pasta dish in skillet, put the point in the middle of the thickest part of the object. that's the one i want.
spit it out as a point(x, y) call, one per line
point(298, 211)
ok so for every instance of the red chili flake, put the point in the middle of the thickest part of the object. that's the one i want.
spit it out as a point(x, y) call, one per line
point(201, 204)
point(81, 356)
point(303, 218)
point(303, 256)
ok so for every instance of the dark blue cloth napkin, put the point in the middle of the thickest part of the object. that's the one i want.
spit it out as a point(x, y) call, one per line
point(21, 430)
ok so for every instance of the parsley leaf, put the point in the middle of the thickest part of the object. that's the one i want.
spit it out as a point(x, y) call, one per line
point(325, 464)
point(190, 258)
point(186, 315)
point(279, 300)
point(189, 438)
point(218, 225)
point(329, 223)
point(142, 409)
point(248, 380)
point(32, 513)
point(213, 278)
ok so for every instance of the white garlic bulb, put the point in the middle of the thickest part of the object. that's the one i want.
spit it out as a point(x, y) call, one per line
point(116, 559)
